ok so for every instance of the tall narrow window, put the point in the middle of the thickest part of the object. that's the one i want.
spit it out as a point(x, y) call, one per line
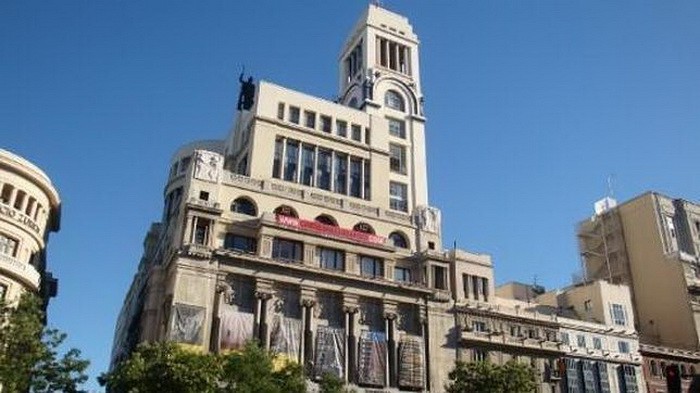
point(341, 173)
point(439, 277)
point(323, 175)
point(356, 132)
point(341, 128)
point(355, 177)
point(465, 285)
point(397, 158)
point(277, 163)
point(280, 111)
point(294, 114)
point(475, 287)
point(310, 119)
point(485, 288)
point(326, 123)
point(307, 162)
point(367, 180)
point(290, 166)
point(617, 312)
point(201, 231)
point(398, 198)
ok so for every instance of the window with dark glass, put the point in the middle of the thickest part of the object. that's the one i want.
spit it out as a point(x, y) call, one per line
point(479, 326)
point(356, 132)
point(294, 113)
point(439, 277)
point(485, 288)
point(332, 259)
point(623, 346)
point(290, 166)
point(367, 184)
point(307, 162)
point(402, 274)
point(201, 231)
point(397, 158)
point(341, 128)
point(363, 227)
point(323, 176)
point(398, 196)
point(581, 341)
point(204, 195)
point(310, 119)
point(371, 267)
point(285, 210)
point(3, 291)
point(240, 243)
point(397, 128)
point(277, 163)
point(341, 173)
point(398, 240)
point(597, 343)
point(287, 250)
point(244, 206)
point(327, 220)
point(280, 111)
point(326, 123)
point(356, 177)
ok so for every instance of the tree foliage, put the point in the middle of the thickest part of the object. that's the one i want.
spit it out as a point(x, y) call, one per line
point(168, 367)
point(486, 377)
point(29, 352)
point(330, 383)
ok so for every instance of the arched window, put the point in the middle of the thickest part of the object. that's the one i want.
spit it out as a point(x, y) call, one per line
point(353, 103)
point(393, 100)
point(327, 220)
point(398, 240)
point(363, 227)
point(288, 211)
point(244, 206)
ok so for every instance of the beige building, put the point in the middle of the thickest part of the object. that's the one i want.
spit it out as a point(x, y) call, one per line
point(30, 209)
point(652, 244)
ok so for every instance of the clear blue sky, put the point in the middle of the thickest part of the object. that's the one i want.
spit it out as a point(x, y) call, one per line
point(530, 106)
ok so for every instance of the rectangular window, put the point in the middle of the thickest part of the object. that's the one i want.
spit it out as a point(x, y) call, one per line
point(402, 274)
point(371, 267)
point(8, 246)
point(623, 346)
point(398, 196)
point(277, 163)
point(323, 173)
point(475, 287)
point(479, 355)
point(397, 158)
point(294, 114)
point(310, 119)
point(201, 231)
point(204, 195)
point(465, 285)
point(3, 292)
point(356, 132)
point(287, 250)
point(397, 128)
point(341, 173)
point(332, 259)
point(439, 277)
point(280, 111)
point(515, 331)
point(617, 312)
point(485, 288)
point(326, 123)
point(368, 136)
point(565, 338)
point(479, 326)
point(597, 343)
point(581, 341)
point(341, 128)
point(355, 177)
point(307, 161)
point(367, 181)
point(290, 166)
point(240, 243)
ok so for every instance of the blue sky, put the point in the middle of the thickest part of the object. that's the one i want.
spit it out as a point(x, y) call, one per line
point(531, 105)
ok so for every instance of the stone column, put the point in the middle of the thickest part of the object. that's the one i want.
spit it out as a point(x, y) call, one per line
point(350, 343)
point(263, 298)
point(308, 305)
point(424, 332)
point(390, 319)
point(223, 294)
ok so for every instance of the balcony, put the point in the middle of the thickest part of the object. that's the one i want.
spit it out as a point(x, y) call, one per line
point(24, 272)
point(208, 206)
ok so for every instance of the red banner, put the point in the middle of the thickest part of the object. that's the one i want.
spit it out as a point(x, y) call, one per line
point(315, 226)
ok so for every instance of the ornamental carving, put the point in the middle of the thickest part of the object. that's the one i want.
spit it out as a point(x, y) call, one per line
point(207, 166)
point(428, 219)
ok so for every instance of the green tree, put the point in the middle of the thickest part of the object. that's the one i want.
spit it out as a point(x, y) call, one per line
point(486, 377)
point(167, 367)
point(164, 367)
point(29, 352)
point(330, 383)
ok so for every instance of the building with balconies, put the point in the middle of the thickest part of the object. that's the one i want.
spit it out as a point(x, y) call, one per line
point(30, 209)
point(652, 244)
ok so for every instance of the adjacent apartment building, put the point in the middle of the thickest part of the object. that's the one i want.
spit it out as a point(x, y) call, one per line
point(30, 209)
point(652, 244)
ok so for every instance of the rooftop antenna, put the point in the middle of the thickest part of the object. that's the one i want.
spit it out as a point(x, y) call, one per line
point(611, 189)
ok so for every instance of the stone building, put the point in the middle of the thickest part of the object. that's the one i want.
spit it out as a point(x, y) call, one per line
point(309, 229)
point(30, 209)
point(652, 244)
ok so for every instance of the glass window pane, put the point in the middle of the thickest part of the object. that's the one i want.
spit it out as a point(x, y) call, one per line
point(341, 173)
point(355, 177)
point(277, 163)
point(290, 167)
point(323, 175)
point(398, 196)
point(307, 162)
